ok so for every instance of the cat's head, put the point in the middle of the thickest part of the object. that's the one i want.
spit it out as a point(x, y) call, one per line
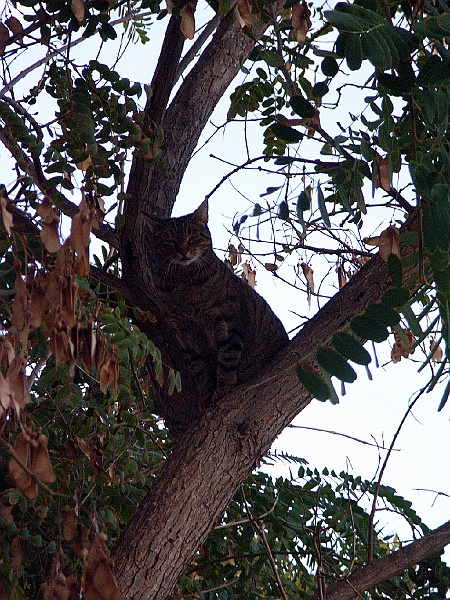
point(181, 241)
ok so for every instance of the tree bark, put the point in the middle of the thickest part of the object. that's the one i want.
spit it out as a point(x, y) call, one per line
point(371, 575)
point(216, 454)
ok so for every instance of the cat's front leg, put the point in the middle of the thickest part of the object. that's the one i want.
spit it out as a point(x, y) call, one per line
point(230, 346)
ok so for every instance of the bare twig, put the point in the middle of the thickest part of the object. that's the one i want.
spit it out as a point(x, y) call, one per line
point(350, 437)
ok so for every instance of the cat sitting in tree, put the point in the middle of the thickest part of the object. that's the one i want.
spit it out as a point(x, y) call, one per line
point(227, 331)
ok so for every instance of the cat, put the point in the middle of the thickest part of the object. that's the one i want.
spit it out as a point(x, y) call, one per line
point(227, 331)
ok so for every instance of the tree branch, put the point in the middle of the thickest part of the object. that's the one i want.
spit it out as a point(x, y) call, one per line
point(375, 573)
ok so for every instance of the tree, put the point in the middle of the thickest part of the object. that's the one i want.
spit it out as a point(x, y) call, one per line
point(87, 361)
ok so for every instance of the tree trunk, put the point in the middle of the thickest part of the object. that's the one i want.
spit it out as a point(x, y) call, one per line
point(211, 460)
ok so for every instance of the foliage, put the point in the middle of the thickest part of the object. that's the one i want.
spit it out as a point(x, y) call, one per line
point(80, 435)
point(277, 518)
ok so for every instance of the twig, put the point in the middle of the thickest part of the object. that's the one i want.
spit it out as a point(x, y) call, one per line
point(259, 526)
point(350, 437)
point(199, 41)
point(383, 468)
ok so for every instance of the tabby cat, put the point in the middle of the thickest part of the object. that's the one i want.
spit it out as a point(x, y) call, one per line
point(228, 333)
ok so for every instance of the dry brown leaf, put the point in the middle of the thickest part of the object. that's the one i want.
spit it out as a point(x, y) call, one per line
point(98, 581)
point(388, 242)
point(169, 5)
point(272, 267)
point(7, 217)
point(400, 350)
point(300, 21)
point(40, 462)
point(5, 396)
point(50, 237)
point(69, 523)
point(80, 234)
point(6, 513)
point(109, 372)
point(342, 279)
point(244, 13)
point(233, 254)
point(38, 300)
point(14, 25)
point(248, 274)
point(187, 25)
point(78, 9)
point(60, 588)
point(87, 345)
point(383, 179)
point(22, 480)
point(18, 385)
point(309, 275)
point(20, 319)
point(46, 211)
point(85, 164)
point(438, 355)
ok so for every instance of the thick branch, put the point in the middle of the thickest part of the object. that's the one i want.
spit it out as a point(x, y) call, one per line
point(219, 451)
point(371, 575)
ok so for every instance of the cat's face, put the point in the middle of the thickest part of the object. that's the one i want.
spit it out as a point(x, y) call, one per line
point(181, 241)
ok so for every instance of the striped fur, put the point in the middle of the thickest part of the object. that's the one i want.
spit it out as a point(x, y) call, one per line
point(227, 331)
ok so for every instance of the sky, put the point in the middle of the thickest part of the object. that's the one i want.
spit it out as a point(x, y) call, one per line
point(370, 410)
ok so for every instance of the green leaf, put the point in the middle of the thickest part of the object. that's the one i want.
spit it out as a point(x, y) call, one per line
point(369, 329)
point(335, 364)
point(383, 314)
point(302, 107)
point(286, 133)
point(351, 348)
point(320, 89)
point(394, 265)
point(396, 297)
point(322, 208)
point(353, 52)
point(283, 210)
point(315, 385)
point(303, 202)
point(329, 66)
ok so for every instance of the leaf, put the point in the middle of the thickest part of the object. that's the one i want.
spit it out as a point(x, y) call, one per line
point(395, 269)
point(99, 582)
point(329, 66)
point(322, 207)
point(369, 329)
point(353, 52)
point(14, 25)
point(383, 314)
point(244, 12)
point(351, 348)
point(78, 9)
point(302, 107)
point(283, 210)
point(187, 25)
point(7, 217)
point(438, 355)
point(396, 297)
point(388, 242)
point(315, 385)
point(300, 21)
point(335, 364)
point(383, 178)
point(286, 133)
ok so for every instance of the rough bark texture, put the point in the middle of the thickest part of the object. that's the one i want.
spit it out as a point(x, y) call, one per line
point(211, 460)
point(371, 575)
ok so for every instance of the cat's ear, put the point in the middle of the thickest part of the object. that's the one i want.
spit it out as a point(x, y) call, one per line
point(201, 214)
